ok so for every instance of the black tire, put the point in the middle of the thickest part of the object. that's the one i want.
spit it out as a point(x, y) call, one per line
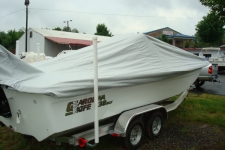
point(201, 83)
point(153, 125)
point(196, 83)
point(1, 124)
point(135, 129)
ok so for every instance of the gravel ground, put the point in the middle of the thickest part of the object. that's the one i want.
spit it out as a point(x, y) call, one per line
point(175, 135)
point(187, 136)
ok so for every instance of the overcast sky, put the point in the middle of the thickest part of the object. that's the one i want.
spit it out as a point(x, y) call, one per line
point(120, 16)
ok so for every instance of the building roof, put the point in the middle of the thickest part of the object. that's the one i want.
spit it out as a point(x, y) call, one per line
point(69, 41)
point(63, 37)
point(192, 49)
point(160, 29)
point(179, 35)
point(211, 48)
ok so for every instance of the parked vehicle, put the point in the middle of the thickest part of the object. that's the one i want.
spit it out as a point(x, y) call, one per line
point(208, 73)
point(214, 56)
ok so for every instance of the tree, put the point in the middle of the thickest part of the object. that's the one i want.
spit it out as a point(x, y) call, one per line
point(57, 29)
point(101, 29)
point(2, 37)
point(164, 38)
point(20, 32)
point(9, 40)
point(67, 29)
point(210, 29)
point(199, 43)
point(217, 7)
point(224, 35)
point(74, 30)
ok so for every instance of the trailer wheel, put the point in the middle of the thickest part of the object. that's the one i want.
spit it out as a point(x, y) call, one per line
point(198, 83)
point(201, 83)
point(134, 134)
point(154, 125)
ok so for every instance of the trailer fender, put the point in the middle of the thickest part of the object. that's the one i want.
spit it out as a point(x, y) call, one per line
point(125, 118)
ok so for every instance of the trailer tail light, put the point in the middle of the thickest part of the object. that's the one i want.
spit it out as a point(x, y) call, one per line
point(115, 135)
point(210, 70)
point(82, 142)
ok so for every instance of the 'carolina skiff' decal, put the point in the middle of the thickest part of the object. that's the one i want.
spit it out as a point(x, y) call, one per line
point(78, 106)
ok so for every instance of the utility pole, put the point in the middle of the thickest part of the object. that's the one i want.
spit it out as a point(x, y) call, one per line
point(67, 23)
point(27, 2)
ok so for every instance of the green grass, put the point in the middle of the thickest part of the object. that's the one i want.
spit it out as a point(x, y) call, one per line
point(10, 140)
point(204, 108)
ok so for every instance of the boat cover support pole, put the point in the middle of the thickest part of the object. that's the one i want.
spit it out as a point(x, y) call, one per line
point(96, 90)
point(17, 48)
point(38, 52)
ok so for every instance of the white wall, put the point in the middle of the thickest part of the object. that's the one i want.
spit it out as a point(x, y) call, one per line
point(46, 46)
point(22, 44)
point(36, 38)
point(31, 42)
point(52, 49)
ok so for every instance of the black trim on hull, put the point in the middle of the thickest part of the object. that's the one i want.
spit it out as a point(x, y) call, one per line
point(4, 105)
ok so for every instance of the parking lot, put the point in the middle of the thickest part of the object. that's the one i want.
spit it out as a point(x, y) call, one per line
point(214, 88)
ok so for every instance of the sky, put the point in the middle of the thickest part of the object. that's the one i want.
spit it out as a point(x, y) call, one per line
point(120, 16)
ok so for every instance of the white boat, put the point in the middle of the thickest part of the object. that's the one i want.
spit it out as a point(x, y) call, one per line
point(54, 97)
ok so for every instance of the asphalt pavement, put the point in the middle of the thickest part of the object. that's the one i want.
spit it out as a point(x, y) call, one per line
point(214, 87)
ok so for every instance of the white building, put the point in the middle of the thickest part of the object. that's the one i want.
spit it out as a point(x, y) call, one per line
point(53, 42)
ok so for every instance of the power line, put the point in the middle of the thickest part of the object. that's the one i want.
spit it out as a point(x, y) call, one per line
point(123, 15)
point(12, 13)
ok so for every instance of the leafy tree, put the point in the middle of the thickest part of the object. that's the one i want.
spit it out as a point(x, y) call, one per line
point(210, 29)
point(2, 37)
point(20, 32)
point(8, 40)
point(224, 35)
point(101, 29)
point(164, 38)
point(74, 30)
point(217, 7)
point(57, 28)
point(199, 43)
point(67, 29)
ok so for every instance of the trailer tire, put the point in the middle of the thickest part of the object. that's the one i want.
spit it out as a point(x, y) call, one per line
point(1, 124)
point(196, 83)
point(134, 134)
point(153, 125)
point(201, 83)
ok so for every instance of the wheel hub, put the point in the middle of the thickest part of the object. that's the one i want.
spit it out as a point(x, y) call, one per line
point(135, 135)
point(156, 125)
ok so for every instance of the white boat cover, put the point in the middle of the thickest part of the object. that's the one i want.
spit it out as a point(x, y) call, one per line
point(123, 60)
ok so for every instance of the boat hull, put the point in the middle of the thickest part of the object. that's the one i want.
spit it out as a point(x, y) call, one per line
point(44, 116)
